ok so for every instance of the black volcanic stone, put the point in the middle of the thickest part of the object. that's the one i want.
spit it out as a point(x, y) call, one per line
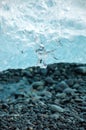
point(81, 70)
point(4, 106)
point(51, 67)
point(49, 81)
point(61, 86)
point(38, 85)
point(43, 72)
point(27, 73)
point(70, 82)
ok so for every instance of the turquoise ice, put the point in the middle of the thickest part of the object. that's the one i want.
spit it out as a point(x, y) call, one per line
point(58, 26)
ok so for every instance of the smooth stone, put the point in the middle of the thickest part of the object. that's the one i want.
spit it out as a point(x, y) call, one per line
point(4, 106)
point(45, 93)
point(37, 78)
point(69, 91)
point(17, 128)
point(57, 73)
point(30, 128)
point(23, 80)
point(49, 80)
point(76, 86)
point(83, 114)
point(83, 109)
point(78, 100)
point(84, 98)
point(51, 67)
point(81, 70)
point(70, 82)
point(55, 116)
point(81, 120)
point(39, 85)
point(57, 101)
point(65, 101)
point(26, 73)
point(34, 94)
point(18, 95)
point(43, 71)
point(61, 95)
point(61, 86)
point(47, 128)
point(56, 108)
point(42, 103)
point(81, 128)
point(1, 88)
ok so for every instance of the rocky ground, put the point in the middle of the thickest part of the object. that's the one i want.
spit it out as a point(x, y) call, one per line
point(43, 99)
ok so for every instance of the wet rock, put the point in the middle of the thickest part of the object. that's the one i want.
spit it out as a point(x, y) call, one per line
point(43, 72)
point(18, 95)
point(81, 128)
point(61, 86)
point(55, 116)
point(83, 109)
point(83, 114)
point(78, 100)
point(55, 108)
point(61, 95)
point(26, 73)
point(47, 129)
point(57, 73)
point(39, 85)
point(70, 82)
point(45, 93)
point(49, 81)
point(66, 100)
point(81, 70)
point(30, 128)
point(1, 88)
point(76, 86)
point(69, 91)
point(41, 103)
point(51, 67)
point(4, 106)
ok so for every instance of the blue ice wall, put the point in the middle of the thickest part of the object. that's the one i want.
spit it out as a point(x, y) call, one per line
point(39, 32)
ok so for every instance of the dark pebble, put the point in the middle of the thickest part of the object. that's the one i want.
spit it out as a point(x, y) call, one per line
point(4, 106)
point(43, 72)
point(39, 85)
point(61, 86)
point(69, 91)
point(18, 95)
point(81, 70)
point(27, 73)
point(49, 81)
point(70, 82)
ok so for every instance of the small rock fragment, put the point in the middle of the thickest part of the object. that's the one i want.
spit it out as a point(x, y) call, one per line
point(38, 85)
point(55, 116)
point(81, 70)
point(56, 108)
point(49, 80)
point(69, 91)
point(61, 86)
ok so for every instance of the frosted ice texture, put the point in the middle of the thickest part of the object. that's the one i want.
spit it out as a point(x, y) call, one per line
point(39, 32)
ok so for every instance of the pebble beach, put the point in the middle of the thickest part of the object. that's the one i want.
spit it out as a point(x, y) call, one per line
point(52, 98)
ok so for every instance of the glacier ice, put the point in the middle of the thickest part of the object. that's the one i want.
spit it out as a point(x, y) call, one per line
point(54, 27)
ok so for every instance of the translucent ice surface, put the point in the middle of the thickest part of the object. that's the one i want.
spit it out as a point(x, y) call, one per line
point(39, 32)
